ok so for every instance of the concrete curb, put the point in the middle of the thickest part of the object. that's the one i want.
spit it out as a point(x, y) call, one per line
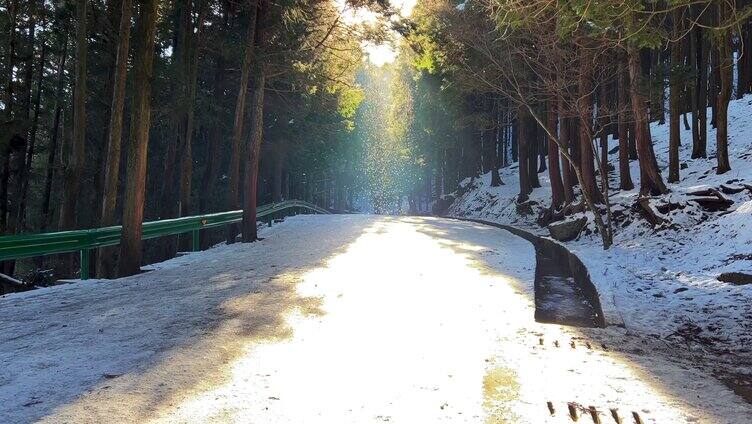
point(558, 252)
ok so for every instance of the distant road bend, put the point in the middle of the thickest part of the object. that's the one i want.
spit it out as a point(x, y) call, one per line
point(333, 319)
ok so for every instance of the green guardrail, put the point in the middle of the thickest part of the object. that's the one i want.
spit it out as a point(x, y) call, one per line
point(24, 246)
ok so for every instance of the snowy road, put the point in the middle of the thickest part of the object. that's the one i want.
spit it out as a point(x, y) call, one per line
point(332, 319)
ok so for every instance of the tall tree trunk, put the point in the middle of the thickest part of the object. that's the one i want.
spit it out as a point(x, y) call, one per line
point(258, 84)
point(694, 90)
point(186, 150)
point(523, 142)
point(714, 84)
point(18, 147)
point(603, 123)
point(186, 165)
point(660, 102)
point(495, 177)
point(106, 259)
point(725, 71)
point(505, 136)
point(567, 175)
point(703, 96)
point(554, 173)
point(12, 11)
point(585, 110)
point(699, 148)
point(26, 174)
point(532, 144)
point(133, 205)
point(213, 159)
point(742, 62)
point(625, 175)
point(76, 159)
point(233, 190)
point(674, 109)
point(650, 176)
point(745, 61)
point(169, 199)
point(55, 136)
point(515, 138)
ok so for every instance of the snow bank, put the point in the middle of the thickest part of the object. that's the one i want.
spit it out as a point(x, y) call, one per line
point(661, 283)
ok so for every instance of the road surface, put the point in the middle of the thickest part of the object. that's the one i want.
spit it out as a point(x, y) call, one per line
point(333, 319)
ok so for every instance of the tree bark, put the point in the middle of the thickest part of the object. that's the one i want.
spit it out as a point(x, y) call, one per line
point(188, 119)
point(674, 100)
point(567, 174)
point(694, 87)
point(699, 148)
point(514, 148)
point(106, 259)
point(169, 199)
point(603, 121)
point(186, 164)
point(12, 11)
point(55, 136)
point(248, 225)
point(133, 205)
point(554, 173)
point(714, 85)
point(725, 71)
point(650, 176)
point(532, 145)
point(213, 159)
point(26, 175)
point(585, 110)
point(523, 140)
point(625, 175)
point(233, 190)
point(745, 62)
point(495, 177)
point(76, 159)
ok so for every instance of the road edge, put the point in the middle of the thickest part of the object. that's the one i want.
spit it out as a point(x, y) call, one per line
point(560, 253)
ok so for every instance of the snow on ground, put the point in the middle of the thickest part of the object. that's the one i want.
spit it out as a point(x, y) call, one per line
point(661, 283)
point(331, 319)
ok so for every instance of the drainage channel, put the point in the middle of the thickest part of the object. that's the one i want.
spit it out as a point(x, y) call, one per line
point(564, 293)
point(558, 297)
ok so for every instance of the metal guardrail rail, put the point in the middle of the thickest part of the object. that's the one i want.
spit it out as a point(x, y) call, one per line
point(24, 246)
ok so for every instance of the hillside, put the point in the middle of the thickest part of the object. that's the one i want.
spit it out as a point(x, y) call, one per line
point(660, 281)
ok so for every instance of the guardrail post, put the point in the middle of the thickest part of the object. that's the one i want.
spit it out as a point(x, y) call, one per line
point(85, 256)
point(195, 240)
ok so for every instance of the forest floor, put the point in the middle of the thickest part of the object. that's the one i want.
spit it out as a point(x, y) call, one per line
point(334, 319)
point(660, 281)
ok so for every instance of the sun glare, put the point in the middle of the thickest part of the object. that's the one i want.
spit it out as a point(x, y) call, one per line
point(378, 54)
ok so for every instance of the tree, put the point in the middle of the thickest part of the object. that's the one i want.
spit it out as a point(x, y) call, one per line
point(233, 196)
point(133, 206)
point(674, 101)
point(105, 261)
point(625, 176)
point(76, 158)
point(557, 187)
point(651, 181)
point(725, 71)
